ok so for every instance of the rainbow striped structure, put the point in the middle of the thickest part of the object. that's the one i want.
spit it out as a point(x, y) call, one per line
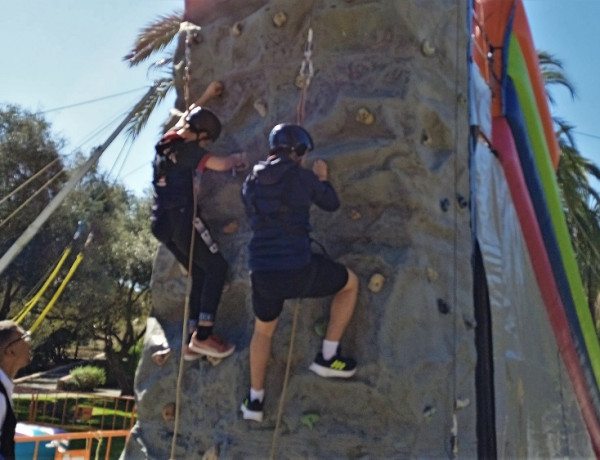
point(542, 329)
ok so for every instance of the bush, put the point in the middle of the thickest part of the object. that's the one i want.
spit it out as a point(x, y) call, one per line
point(86, 378)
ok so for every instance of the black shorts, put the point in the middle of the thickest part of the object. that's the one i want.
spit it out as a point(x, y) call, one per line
point(321, 277)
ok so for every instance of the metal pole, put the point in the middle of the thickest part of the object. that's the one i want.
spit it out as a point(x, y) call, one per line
point(35, 226)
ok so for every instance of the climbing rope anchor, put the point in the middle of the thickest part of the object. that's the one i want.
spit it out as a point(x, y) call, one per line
point(305, 75)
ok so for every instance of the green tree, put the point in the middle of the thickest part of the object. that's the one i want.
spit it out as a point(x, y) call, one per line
point(31, 169)
point(110, 299)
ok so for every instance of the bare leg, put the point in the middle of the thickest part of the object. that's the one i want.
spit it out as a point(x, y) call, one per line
point(260, 351)
point(342, 308)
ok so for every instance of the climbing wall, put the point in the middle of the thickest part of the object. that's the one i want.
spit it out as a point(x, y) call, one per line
point(386, 107)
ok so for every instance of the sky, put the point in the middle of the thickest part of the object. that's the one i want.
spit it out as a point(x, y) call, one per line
point(59, 54)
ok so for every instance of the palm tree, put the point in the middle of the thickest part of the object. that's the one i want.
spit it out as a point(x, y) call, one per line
point(154, 38)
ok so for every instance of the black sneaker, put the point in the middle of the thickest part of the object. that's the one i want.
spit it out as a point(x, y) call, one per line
point(335, 367)
point(252, 410)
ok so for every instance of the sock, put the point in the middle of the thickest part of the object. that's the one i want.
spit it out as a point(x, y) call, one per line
point(257, 394)
point(202, 332)
point(192, 324)
point(329, 349)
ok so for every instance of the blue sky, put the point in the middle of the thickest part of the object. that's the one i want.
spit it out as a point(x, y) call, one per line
point(63, 52)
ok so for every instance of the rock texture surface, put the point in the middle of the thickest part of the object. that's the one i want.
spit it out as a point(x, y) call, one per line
point(387, 110)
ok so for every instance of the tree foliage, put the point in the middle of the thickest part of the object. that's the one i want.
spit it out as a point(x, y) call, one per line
point(31, 168)
point(107, 299)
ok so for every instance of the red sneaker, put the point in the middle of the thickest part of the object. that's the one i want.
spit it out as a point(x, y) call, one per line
point(190, 355)
point(212, 346)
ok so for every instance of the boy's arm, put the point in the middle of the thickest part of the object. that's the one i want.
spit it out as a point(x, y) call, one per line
point(324, 195)
point(212, 91)
point(235, 161)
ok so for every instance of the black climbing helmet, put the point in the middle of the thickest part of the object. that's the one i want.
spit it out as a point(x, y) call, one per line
point(287, 138)
point(203, 120)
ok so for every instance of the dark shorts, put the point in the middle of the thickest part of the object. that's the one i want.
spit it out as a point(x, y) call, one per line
point(321, 277)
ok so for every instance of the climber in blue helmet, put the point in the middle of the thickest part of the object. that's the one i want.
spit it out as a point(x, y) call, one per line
point(278, 195)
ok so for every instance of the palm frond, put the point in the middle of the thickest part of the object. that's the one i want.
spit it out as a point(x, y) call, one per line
point(141, 117)
point(154, 37)
point(553, 74)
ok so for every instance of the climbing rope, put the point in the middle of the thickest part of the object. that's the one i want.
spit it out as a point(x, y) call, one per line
point(20, 316)
point(34, 300)
point(188, 287)
point(285, 382)
point(306, 73)
point(28, 200)
point(41, 171)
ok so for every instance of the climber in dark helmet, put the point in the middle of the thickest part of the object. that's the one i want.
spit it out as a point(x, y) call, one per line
point(277, 195)
point(181, 156)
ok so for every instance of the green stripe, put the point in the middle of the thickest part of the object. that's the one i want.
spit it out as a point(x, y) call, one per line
point(517, 69)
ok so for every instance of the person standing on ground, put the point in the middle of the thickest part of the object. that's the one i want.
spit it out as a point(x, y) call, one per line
point(277, 196)
point(181, 156)
point(15, 353)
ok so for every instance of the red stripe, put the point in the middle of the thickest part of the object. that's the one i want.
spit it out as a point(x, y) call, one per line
point(507, 153)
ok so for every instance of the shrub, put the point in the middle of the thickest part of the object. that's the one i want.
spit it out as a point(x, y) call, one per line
point(86, 378)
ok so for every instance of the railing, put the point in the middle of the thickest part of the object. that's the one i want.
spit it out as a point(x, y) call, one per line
point(74, 410)
point(78, 454)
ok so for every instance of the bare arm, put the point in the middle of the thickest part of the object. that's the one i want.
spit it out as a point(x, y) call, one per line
point(235, 161)
point(212, 91)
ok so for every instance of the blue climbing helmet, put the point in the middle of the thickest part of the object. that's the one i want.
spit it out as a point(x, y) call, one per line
point(287, 138)
point(202, 120)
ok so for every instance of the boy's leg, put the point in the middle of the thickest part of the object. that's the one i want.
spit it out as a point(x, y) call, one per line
point(260, 351)
point(342, 308)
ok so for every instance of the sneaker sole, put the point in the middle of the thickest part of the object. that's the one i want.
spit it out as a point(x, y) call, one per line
point(214, 354)
point(328, 372)
point(251, 415)
point(194, 357)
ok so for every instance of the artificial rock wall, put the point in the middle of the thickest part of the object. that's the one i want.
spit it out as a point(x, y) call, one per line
point(387, 109)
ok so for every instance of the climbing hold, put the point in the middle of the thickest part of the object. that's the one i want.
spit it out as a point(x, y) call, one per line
point(320, 327)
point(470, 323)
point(261, 107)
point(462, 202)
point(237, 28)
point(425, 139)
point(168, 412)
point(364, 116)
point(231, 227)
point(462, 403)
point(427, 48)
point(445, 204)
point(301, 81)
point(432, 275)
point(310, 420)
point(212, 453)
point(279, 19)
point(355, 215)
point(429, 411)
point(376, 282)
point(443, 307)
point(161, 356)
